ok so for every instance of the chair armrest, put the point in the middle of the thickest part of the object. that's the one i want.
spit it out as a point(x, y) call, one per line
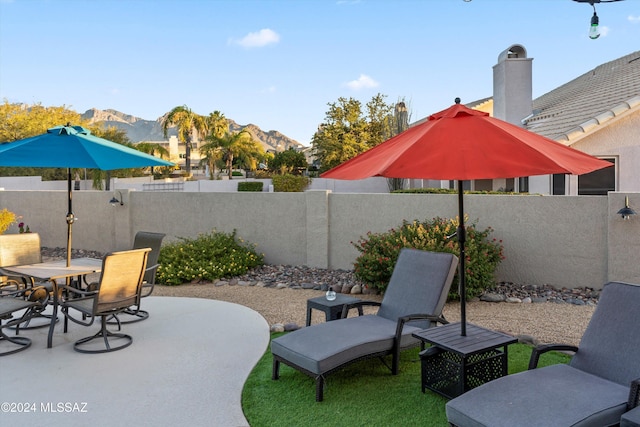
point(12, 277)
point(634, 394)
point(13, 289)
point(147, 287)
point(9, 287)
point(358, 305)
point(411, 317)
point(541, 349)
point(77, 293)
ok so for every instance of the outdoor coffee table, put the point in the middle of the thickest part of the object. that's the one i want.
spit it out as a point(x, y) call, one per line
point(332, 309)
point(455, 364)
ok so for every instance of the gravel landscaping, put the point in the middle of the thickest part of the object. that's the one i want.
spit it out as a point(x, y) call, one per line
point(279, 293)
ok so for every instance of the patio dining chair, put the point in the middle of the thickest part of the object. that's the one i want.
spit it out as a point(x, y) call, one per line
point(597, 388)
point(118, 289)
point(17, 305)
point(143, 239)
point(20, 249)
point(413, 301)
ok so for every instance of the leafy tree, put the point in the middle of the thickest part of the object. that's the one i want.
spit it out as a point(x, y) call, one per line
point(347, 131)
point(19, 121)
point(187, 123)
point(288, 161)
point(119, 136)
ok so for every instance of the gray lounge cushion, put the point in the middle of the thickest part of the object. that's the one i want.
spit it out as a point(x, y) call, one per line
point(326, 346)
point(631, 418)
point(419, 285)
point(592, 390)
point(609, 346)
point(541, 397)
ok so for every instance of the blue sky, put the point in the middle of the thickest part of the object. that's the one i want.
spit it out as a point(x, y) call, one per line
point(277, 64)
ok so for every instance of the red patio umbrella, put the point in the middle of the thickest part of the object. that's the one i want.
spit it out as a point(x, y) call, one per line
point(464, 144)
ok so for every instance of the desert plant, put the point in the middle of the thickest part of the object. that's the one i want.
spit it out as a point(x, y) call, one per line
point(250, 186)
point(206, 258)
point(290, 183)
point(6, 219)
point(379, 252)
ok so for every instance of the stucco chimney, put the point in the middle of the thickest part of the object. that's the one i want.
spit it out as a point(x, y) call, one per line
point(512, 87)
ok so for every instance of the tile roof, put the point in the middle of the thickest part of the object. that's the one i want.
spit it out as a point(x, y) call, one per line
point(589, 101)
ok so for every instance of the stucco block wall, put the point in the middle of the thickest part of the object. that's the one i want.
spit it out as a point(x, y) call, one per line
point(570, 241)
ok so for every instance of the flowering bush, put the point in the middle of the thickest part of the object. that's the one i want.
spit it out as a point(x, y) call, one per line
point(379, 252)
point(208, 257)
point(6, 219)
point(23, 228)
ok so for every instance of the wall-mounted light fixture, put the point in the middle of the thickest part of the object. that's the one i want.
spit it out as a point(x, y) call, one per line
point(115, 201)
point(626, 212)
point(594, 32)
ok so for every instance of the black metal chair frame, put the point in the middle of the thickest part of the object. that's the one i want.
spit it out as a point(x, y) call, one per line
point(86, 302)
point(14, 298)
point(143, 239)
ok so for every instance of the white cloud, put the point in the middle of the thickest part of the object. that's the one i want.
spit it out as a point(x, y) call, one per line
point(634, 19)
point(261, 38)
point(604, 30)
point(363, 82)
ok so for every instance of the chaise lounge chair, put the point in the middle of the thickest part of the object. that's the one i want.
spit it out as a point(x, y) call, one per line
point(598, 386)
point(416, 294)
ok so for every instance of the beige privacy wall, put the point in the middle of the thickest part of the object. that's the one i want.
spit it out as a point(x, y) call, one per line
point(567, 241)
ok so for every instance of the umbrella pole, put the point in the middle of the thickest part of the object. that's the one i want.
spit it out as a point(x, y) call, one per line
point(462, 237)
point(70, 218)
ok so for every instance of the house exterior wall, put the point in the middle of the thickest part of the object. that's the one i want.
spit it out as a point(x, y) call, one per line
point(570, 241)
point(619, 139)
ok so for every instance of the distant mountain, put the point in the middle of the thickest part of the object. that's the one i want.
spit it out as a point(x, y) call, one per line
point(138, 129)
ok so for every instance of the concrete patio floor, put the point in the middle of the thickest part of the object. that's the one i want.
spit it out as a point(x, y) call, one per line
point(187, 366)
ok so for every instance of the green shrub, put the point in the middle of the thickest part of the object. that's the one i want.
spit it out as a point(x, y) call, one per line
point(236, 173)
point(290, 183)
point(262, 174)
point(250, 186)
point(379, 252)
point(206, 258)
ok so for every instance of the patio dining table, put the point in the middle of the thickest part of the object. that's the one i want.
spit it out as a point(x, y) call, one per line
point(53, 271)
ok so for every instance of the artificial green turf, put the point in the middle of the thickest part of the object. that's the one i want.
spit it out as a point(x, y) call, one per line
point(362, 394)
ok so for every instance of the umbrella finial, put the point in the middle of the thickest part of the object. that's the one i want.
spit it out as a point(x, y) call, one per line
point(457, 100)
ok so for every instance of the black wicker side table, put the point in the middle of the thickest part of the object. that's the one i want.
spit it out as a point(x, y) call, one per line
point(455, 364)
point(332, 309)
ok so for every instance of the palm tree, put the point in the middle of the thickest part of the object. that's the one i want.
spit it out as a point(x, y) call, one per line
point(210, 153)
point(187, 123)
point(239, 144)
point(217, 125)
point(152, 149)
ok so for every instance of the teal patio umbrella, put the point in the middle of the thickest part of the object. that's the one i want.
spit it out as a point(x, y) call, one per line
point(73, 147)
